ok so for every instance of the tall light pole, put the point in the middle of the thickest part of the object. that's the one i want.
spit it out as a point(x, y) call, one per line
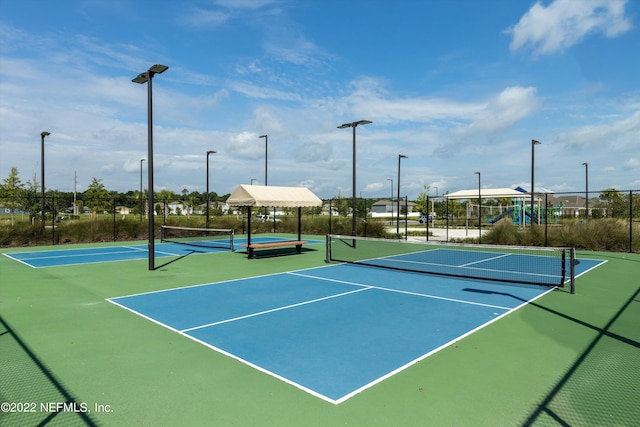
point(142, 78)
point(389, 179)
point(586, 180)
point(353, 183)
point(479, 210)
point(266, 152)
point(207, 210)
point(400, 156)
point(42, 135)
point(141, 206)
point(533, 144)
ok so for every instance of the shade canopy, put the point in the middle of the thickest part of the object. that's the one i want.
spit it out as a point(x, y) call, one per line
point(485, 193)
point(272, 196)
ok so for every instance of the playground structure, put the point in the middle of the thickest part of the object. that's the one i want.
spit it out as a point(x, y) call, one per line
point(520, 213)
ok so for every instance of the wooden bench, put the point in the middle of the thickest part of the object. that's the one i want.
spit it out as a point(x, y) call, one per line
point(250, 248)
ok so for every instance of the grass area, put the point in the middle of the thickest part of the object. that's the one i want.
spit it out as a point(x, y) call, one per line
point(562, 360)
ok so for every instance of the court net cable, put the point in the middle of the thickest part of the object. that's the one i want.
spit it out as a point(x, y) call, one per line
point(515, 264)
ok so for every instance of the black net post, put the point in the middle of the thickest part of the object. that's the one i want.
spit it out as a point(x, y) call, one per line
point(572, 271)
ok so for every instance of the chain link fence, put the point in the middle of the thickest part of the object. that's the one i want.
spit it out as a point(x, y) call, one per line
point(600, 220)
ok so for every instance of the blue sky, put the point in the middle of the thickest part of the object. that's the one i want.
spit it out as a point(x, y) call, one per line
point(457, 86)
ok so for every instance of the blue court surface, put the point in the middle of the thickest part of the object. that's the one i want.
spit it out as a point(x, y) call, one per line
point(336, 330)
point(60, 257)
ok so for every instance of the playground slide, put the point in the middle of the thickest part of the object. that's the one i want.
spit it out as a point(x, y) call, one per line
point(502, 215)
point(535, 219)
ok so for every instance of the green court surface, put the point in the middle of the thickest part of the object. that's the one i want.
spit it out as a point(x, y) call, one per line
point(561, 360)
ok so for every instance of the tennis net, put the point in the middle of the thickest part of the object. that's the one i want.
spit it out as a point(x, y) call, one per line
point(528, 265)
point(201, 237)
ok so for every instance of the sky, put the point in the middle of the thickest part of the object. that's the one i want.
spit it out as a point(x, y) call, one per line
point(459, 87)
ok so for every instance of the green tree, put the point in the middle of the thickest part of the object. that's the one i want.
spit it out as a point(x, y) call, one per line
point(96, 196)
point(11, 191)
point(341, 205)
point(615, 203)
point(420, 203)
point(187, 202)
point(31, 200)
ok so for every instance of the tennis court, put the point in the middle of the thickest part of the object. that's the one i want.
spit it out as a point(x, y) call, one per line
point(218, 339)
point(88, 255)
point(334, 331)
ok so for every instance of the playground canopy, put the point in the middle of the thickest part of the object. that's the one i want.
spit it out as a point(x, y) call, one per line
point(486, 193)
point(271, 196)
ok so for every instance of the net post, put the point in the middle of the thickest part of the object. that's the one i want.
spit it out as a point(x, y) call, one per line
point(233, 237)
point(572, 271)
point(327, 248)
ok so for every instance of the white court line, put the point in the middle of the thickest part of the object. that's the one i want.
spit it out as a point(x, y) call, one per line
point(404, 292)
point(20, 261)
point(473, 268)
point(274, 309)
point(483, 260)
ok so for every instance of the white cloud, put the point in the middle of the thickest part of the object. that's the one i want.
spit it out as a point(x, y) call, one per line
point(506, 109)
point(201, 18)
point(564, 23)
point(623, 133)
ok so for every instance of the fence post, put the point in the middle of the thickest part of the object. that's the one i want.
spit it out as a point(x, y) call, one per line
point(115, 231)
point(427, 221)
point(447, 212)
point(546, 217)
point(630, 221)
point(53, 220)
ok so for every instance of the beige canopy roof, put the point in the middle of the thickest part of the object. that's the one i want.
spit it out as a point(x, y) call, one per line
point(261, 195)
point(486, 193)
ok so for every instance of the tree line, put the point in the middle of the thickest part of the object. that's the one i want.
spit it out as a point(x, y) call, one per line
point(25, 197)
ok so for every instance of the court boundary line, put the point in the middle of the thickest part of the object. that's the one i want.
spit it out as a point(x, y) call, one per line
point(300, 386)
point(19, 260)
point(402, 291)
point(437, 349)
point(273, 310)
point(133, 249)
point(230, 355)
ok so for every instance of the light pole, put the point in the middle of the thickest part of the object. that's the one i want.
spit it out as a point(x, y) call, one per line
point(586, 181)
point(141, 206)
point(42, 135)
point(389, 179)
point(479, 210)
point(207, 210)
point(353, 183)
point(266, 151)
point(400, 156)
point(142, 78)
point(533, 144)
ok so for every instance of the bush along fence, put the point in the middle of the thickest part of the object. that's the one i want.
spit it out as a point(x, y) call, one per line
point(600, 220)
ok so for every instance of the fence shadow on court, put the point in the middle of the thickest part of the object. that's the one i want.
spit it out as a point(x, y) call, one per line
point(600, 387)
point(39, 397)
